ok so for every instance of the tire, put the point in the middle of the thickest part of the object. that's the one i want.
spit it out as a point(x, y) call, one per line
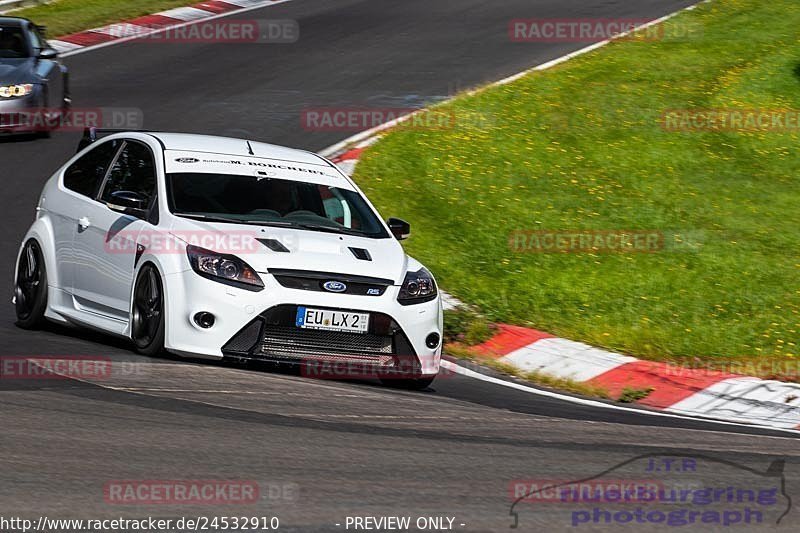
point(147, 312)
point(30, 288)
point(410, 383)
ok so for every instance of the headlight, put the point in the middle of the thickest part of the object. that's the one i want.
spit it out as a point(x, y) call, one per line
point(224, 268)
point(15, 91)
point(418, 287)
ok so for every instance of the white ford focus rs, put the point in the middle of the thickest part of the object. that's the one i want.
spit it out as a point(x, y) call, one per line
point(217, 247)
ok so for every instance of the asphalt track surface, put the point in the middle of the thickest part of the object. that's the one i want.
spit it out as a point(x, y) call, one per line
point(335, 449)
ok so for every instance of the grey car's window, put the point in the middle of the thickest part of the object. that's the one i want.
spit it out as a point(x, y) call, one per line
point(85, 175)
point(133, 170)
point(13, 43)
point(36, 41)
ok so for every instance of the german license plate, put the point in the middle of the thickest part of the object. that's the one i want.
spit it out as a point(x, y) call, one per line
point(331, 320)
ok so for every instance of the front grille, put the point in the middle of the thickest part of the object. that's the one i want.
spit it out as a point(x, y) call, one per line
point(315, 281)
point(273, 336)
point(298, 343)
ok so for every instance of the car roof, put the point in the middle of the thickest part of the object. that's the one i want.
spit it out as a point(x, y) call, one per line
point(13, 21)
point(188, 142)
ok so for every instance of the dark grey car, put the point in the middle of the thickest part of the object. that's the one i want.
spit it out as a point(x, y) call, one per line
point(34, 84)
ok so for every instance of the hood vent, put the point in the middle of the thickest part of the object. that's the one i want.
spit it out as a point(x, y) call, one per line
point(274, 245)
point(361, 253)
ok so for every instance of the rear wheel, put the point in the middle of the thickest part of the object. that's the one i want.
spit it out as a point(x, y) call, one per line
point(30, 290)
point(147, 320)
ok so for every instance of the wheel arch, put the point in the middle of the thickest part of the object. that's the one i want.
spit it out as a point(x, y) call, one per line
point(42, 232)
point(153, 261)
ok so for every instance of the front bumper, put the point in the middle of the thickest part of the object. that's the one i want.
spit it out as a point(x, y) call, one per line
point(19, 115)
point(260, 326)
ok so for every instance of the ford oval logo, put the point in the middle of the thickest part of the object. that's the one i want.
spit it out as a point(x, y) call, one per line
point(334, 286)
point(187, 160)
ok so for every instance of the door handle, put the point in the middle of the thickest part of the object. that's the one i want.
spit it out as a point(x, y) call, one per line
point(83, 223)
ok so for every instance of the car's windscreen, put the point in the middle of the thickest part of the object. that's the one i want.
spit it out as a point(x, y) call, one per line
point(271, 201)
point(12, 43)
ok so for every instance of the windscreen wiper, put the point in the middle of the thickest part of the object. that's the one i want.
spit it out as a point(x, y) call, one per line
point(215, 218)
point(331, 229)
point(207, 218)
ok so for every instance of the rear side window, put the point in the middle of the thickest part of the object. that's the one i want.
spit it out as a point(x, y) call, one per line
point(85, 175)
point(134, 170)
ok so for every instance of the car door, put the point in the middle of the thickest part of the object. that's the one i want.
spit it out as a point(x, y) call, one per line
point(106, 239)
point(81, 182)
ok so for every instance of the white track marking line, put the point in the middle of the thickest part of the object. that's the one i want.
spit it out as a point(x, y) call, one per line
point(458, 369)
point(266, 3)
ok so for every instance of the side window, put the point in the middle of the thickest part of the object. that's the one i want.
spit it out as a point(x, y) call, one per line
point(338, 209)
point(13, 42)
point(85, 175)
point(36, 41)
point(134, 170)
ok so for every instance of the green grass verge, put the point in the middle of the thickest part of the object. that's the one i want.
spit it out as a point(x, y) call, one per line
point(63, 17)
point(580, 147)
point(466, 327)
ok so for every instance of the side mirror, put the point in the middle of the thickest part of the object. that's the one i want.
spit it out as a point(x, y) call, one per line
point(128, 202)
point(48, 53)
point(399, 228)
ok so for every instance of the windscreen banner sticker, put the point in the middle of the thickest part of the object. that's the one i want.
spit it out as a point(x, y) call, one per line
point(196, 162)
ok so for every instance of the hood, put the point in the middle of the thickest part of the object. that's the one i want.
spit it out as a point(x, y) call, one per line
point(17, 71)
point(307, 250)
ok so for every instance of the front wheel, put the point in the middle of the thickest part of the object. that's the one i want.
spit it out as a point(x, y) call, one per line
point(147, 316)
point(30, 290)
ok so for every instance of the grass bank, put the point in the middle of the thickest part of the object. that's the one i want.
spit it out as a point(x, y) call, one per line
point(584, 147)
point(63, 17)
